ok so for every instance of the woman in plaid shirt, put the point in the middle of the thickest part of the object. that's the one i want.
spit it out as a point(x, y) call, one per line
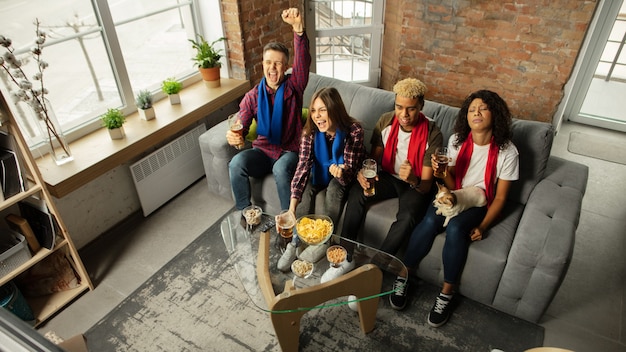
point(332, 149)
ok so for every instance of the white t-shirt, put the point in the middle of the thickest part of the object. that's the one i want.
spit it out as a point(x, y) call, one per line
point(402, 150)
point(507, 167)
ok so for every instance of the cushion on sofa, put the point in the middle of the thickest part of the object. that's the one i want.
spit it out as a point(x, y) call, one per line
point(533, 140)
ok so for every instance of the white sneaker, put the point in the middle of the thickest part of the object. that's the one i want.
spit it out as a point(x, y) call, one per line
point(333, 273)
point(313, 254)
point(285, 260)
point(353, 305)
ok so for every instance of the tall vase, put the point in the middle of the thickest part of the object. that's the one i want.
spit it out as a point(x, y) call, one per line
point(52, 135)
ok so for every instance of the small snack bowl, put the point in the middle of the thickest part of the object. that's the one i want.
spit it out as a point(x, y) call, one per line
point(302, 268)
point(336, 255)
point(252, 215)
point(314, 229)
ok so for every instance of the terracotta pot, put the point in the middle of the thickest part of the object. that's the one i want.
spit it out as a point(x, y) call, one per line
point(211, 76)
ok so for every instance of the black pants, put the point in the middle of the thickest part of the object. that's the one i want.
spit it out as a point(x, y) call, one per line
point(411, 208)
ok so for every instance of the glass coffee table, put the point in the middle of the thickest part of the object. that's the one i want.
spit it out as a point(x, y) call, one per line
point(255, 252)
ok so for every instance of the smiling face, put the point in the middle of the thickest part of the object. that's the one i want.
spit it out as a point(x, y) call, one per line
point(319, 115)
point(407, 112)
point(479, 116)
point(274, 68)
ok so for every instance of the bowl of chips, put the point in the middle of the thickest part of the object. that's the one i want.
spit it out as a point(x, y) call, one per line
point(314, 229)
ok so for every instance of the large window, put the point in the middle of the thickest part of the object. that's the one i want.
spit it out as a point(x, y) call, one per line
point(348, 38)
point(101, 53)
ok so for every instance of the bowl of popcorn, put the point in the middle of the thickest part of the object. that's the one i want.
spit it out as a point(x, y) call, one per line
point(314, 229)
point(302, 268)
point(252, 214)
point(336, 255)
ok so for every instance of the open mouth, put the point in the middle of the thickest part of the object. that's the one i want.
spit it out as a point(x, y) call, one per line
point(321, 124)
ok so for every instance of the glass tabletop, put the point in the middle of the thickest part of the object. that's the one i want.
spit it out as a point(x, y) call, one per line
point(243, 244)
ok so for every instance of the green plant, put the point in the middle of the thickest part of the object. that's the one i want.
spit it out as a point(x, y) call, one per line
point(206, 55)
point(144, 99)
point(113, 118)
point(171, 86)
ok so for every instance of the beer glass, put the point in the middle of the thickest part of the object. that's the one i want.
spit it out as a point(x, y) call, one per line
point(234, 122)
point(441, 155)
point(369, 172)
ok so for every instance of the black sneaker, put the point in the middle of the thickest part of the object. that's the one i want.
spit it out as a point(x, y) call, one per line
point(398, 298)
point(440, 313)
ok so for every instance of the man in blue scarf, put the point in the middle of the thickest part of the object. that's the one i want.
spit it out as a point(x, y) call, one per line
point(276, 105)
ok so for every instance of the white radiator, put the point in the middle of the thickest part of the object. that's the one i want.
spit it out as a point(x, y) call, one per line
point(166, 172)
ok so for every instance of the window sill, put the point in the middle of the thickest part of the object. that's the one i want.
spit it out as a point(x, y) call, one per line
point(96, 153)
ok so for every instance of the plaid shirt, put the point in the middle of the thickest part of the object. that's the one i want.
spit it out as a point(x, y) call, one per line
point(353, 156)
point(292, 109)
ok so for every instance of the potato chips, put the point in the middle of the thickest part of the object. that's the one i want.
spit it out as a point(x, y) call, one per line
point(314, 231)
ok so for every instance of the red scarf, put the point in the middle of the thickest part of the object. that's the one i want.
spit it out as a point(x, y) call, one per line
point(463, 161)
point(417, 146)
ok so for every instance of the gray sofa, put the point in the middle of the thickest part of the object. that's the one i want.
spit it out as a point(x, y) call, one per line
point(521, 263)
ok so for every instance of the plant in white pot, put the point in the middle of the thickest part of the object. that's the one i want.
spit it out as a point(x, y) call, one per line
point(208, 60)
point(114, 120)
point(144, 103)
point(172, 87)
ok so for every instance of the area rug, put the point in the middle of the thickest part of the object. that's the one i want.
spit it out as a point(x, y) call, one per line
point(196, 303)
point(609, 149)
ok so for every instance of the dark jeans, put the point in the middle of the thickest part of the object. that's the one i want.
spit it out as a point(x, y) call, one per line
point(333, 202)
point(456, 244)
point(411, 207)
point(254, 163)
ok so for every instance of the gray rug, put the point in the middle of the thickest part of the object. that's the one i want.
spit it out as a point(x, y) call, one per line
point(603, 148)
point(196, 303)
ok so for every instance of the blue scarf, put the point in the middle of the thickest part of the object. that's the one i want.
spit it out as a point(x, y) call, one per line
point(270, 121)
point(323, 157)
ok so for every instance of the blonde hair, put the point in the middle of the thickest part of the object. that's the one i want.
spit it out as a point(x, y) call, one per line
point(410, 88)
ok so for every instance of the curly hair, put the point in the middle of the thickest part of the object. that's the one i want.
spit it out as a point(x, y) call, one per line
point(336, 111)
point(500, 118)
point(411, 88)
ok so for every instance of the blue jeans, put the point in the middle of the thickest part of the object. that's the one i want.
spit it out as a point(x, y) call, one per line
point(456, 243)
point(254, 163)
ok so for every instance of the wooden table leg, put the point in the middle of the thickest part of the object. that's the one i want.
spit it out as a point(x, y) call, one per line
point(364, 281)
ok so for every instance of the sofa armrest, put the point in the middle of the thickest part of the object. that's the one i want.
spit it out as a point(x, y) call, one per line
point(216, 154)
point(544, 241)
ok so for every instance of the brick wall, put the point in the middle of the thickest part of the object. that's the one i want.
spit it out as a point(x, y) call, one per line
point(249, 25)
point(524, 50)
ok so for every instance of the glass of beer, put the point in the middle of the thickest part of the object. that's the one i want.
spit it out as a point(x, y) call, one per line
point(285, 222)
point(234, 122)
point(369, 172)
point(441, 155)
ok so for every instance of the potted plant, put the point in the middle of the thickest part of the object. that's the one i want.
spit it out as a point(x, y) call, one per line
point(144, 103)
point(208, 60)
point(172, 87)
point(114, 120)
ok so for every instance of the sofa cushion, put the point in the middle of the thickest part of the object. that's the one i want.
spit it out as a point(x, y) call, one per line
point(533, 140)
point(444, 116)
